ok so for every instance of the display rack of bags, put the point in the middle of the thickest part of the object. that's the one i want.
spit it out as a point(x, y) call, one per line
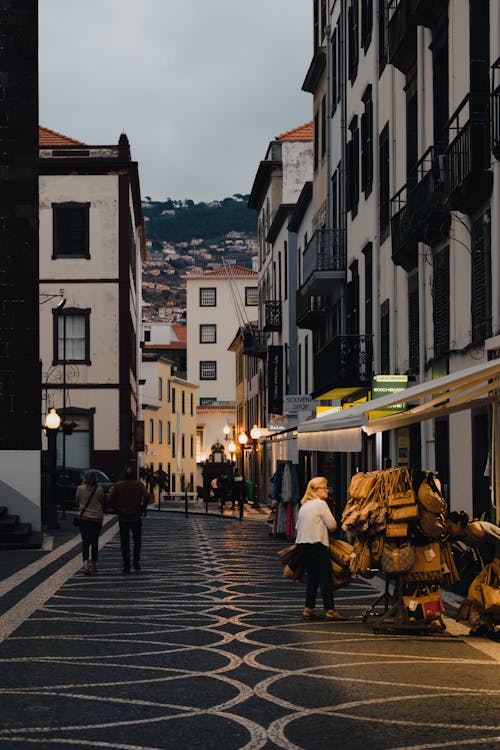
point(398, 528)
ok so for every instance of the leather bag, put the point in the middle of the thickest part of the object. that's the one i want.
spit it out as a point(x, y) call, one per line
point(432, 525)
point(429, 494)
point(361, 484)
point(397, 559)
point(428, 563)
point(340, 551)
point(404, 513)
point(396, 530)
point(424, 605)
point(491, 591)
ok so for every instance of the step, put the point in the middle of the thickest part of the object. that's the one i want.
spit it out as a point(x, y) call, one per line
point(18, 534)
point(33, 541)
point(8, 522)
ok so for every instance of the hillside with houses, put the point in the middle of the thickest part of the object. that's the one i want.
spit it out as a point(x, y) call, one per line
point(184, 237)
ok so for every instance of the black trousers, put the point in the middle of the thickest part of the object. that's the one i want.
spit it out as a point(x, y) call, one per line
point(126, 528)
point(90, 538)
point(317, 559)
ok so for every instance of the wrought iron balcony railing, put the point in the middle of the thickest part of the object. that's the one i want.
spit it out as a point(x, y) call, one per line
point(253, 343)
point(310, 311)
point(347, 361)
point(467, 159)
point(324, 263)
point(272, 316)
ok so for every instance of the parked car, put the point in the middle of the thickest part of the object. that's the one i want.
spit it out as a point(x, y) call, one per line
point(70, 479)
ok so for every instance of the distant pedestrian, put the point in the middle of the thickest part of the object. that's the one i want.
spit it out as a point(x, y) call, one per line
point(130, 498)
point(90, 498)
point(216, 487)
point(237, 490)
point(314, 521)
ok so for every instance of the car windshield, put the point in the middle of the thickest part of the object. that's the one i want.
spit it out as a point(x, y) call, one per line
point(102, 476)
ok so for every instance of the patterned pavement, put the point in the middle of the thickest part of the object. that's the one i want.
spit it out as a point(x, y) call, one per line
point(205, 648)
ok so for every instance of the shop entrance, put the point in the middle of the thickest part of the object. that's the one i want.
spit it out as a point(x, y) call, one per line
point(480, 451)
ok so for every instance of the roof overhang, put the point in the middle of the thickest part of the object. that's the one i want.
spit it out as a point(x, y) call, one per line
point(462, 390)
point(261, 182)
point(316, 68)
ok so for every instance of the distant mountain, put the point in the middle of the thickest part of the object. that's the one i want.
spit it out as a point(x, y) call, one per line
point(180, 221)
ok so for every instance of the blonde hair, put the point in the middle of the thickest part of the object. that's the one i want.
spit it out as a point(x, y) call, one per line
point(91, 479)
point(312, 486)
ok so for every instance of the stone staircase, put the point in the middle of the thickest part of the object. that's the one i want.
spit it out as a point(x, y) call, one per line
point(14, 534)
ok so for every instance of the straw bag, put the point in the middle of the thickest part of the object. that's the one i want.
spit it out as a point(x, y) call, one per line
point(398, 559)
point(431, 524)
point(427, 565)
point(429, 494)
point(404, 513)
point(424, 604)
point(396, 530)
point(491, 591)
point(286, 554)
point(340, 551)
point(376, 549)
point(401, 491)
point(362, 484)
point(449, 570)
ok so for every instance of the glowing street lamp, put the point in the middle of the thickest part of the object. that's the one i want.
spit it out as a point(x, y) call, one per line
point(242, 440)
point(255, 434)
point(51, 426)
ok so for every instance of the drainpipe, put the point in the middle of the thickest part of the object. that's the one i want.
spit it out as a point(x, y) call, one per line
point(327, 127)
point(376, 228)
point(424, 426)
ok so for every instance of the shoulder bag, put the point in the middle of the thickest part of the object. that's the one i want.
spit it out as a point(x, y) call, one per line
point(78, 518)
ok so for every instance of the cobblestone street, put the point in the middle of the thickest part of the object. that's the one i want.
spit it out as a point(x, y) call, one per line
point(205, 648)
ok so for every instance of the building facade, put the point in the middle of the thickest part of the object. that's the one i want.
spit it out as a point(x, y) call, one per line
point(91, 250)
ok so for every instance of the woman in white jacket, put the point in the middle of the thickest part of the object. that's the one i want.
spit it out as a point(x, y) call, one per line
point(314, 521)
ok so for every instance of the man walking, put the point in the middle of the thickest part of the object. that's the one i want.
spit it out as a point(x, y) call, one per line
point(130, 497)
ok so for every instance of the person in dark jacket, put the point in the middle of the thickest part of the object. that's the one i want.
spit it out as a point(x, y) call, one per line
point(130, 498)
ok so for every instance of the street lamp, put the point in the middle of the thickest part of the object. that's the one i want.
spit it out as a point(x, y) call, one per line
point(51, 426)
point(242, 440)
point(255, 434)
point(227, 431)
point(232, 450)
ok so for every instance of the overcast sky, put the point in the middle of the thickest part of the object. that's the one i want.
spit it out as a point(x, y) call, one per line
point(199, 86)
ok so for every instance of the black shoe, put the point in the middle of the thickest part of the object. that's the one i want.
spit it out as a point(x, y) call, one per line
point(126, 571)
point(137, 565)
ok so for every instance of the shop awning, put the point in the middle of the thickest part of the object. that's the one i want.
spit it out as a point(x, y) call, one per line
point(341, 431)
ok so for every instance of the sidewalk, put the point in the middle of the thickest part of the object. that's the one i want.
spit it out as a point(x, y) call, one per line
point(205, 647)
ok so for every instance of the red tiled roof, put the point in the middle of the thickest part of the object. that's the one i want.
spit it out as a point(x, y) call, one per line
point(48, 137)
point(180, 332)
point(165, 347)
point(232, 271)
point(302, 133)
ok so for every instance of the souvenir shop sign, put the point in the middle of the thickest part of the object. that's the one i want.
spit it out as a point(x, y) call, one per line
point(298, 402)
point(383, 385)
point(275, 379)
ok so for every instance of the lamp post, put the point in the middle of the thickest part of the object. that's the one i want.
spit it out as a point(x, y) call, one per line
point(51, 426)
point(232, 450)
point(255, 433)
point(242, 440)
point(59, 309)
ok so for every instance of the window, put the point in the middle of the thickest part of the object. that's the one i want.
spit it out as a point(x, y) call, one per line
point(183, 402)
point(251, 296)
point(368, 253)
point(353, 167)
point(353, 24)
point(383, 25)
point(481, 281)
point(206, 401)
point(208, 297)
point(70, 227)
point(367, 143)
point(323, 127)
point(72, 336)
point(441, 302)
point(191, 405)
point(160, 431)
point(174, 409)
point(208, 334)
point(183, 446)
point(208, 370)
point(335, 73)
point(147, 335)
point(151, 431)
point(169, 433)
point(385, 341)
point(173, 441)
point(366, 23)
point(352, 313)
point(384, 184)
point(413, 324)
point(160, 388)
point(191, 446)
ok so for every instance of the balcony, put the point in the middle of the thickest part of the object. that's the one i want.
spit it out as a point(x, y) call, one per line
point(346, 362)
point(310, 311)
point(253, 343)
point(324, 263)
point(402, 35)
point(420, 210)
point(404, 246)
point(272, 316)
point(467, 159)
point(428, 12)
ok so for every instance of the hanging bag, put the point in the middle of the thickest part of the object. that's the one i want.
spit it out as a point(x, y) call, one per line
point(397, 559)
point(78, 518)
point(424, 604)
point(429, 494)
point(427, 565)
point(491, 591)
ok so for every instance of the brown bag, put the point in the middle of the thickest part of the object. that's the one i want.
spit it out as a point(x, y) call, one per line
point(427, 565)
point(475, 592)
point(398, 559)
point(431, 524)
point(491, 591)
point(286, 554)
point(361, 484)
point(340, 551)
point(376, 548)
point(449, 569)
point(404, 513)
point(429, 494)
point(396, 530)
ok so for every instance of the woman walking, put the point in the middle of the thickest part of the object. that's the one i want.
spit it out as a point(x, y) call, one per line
point(314, 521)
point(90, 499)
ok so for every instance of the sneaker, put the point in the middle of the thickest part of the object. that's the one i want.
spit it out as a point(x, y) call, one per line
point(332, 614)
point(137, 565)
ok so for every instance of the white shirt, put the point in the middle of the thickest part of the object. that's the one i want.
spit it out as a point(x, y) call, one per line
point(313, 522)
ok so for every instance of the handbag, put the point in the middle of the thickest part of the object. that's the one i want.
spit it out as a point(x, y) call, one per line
point(397, 559)
point(398, 529)
point(424, 604)
point(361, 484)
point(429, 494)
point(404, 513)
point(78, 518)
point(428, 563)
point(340, 551)
point(491, 592)
point(431, 524)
